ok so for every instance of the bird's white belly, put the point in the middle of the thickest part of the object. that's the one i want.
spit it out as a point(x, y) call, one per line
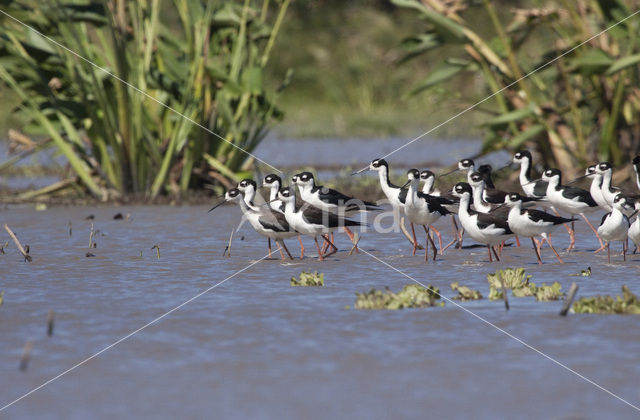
point(634, 232)
point(491, 235)
point(420, 216)
point(523, 226)
point(613, 229)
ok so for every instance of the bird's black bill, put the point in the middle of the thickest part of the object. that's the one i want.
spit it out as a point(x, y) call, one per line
point(577, 179)
point(360, 171)
point(216, 206)
point(532, 182)
point(405, 184)
point(448, 173)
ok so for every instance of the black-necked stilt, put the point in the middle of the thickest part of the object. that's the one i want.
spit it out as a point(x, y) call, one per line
point(572, 200)
point(596, 187)
point(449, 201)
point(395, 195)
point(531, 187)
point(248, 188)
point(530, 223)
point(609, 192)
point(615, 225)
point(266, 221)
point(486, 228)
point(636, 168)
point(423, 209)
point(274, 183)
point(330, 200)
point(312, 221)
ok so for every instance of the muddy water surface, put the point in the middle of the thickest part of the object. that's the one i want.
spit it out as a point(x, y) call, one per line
point(254, 347)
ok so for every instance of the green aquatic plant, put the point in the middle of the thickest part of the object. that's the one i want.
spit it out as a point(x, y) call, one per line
point(514, 278)
point(519, 283)
point(411, 296)
point(308, 279)
point(545, 292)
point(465, 293)
point(204, 60)
point(628, 303)
point(575, 109)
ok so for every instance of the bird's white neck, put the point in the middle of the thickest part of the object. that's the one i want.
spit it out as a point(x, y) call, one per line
point(525, 172)
point(427, 187)
point(478, 201)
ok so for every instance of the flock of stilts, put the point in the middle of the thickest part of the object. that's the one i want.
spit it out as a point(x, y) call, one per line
point(489, 216)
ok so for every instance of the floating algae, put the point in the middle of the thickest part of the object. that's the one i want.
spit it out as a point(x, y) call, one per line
point(518, 281)
point(465, 293)
point(308, 279)
point(411, 296)
point(627, 304)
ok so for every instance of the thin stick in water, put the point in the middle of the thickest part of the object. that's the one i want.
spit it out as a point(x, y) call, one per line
point(228, 248)
point(504, 293)
point(24, 253)
point(50, 323)
point(26, 356)
point(157, 248)
point(569, 300)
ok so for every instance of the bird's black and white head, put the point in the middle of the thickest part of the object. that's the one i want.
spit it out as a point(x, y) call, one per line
point(512, 199)
point(379, 165)
point(413, 174)
point(590, 172)
point(466, 164)
point(272, 181)
point(636, 163)
point(623, 203)
point(286, 195)
point(476, 179)
point(233, 194)
point(552, 175)
point(427, 175)
point(462, 189)
point(603, 168)
point(522, 156)
point(304, 179)
point(247, 185)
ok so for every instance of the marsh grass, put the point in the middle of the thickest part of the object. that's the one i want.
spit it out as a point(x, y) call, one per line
point(204, 60)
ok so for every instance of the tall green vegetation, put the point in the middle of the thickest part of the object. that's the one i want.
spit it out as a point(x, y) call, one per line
point(580, 108)
point(204, 59)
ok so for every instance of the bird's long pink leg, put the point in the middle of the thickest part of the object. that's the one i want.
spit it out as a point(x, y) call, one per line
point(351, 237)
point(439, 238)
point(592, 228)
point(269, 245)
point(415, 240)
point(315, 238)
point(301, 247)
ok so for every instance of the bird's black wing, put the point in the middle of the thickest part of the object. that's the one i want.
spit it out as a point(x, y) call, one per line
point(317, 216)
point(487, 219)
point(329, 195)
point(540, 188)
point(494, 196)
point(582, 195)
point(274, 220)
point(434, 203)
point(402, 195)
point(539, 215)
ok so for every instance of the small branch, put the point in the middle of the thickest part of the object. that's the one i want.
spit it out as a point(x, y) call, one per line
point(569, 300)
point(26, 356)
point(50, 323)
point(24, 253)
point(504, 293)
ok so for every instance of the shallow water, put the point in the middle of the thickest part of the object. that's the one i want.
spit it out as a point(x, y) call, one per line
point(254, 347)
